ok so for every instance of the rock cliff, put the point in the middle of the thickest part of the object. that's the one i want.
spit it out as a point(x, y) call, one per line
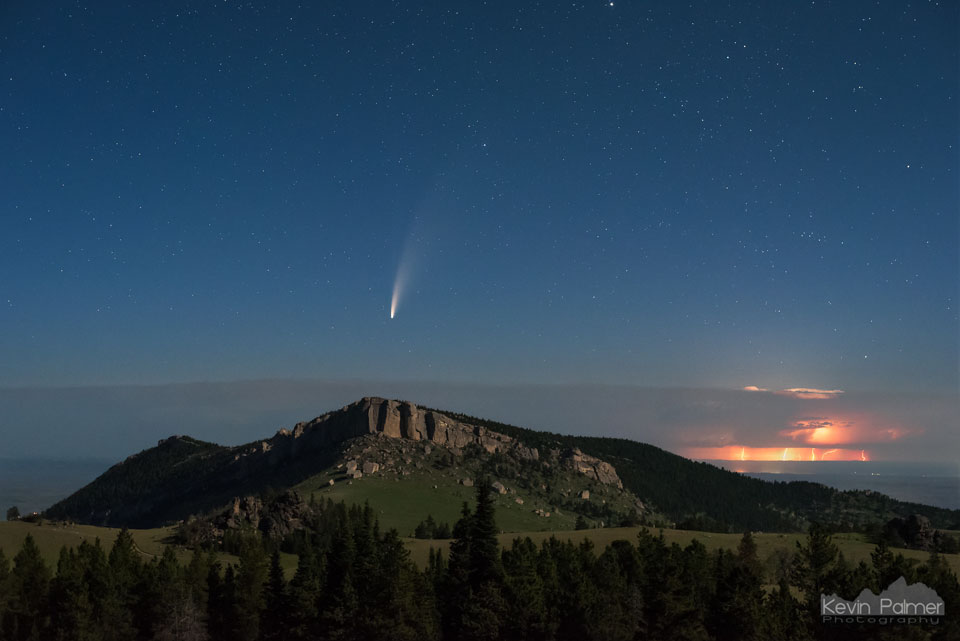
point(404, 420)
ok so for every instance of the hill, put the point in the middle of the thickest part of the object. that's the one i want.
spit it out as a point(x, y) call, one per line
point(409, 461)
point(373, 443)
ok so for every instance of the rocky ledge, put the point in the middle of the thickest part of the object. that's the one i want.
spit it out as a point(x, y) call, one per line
point(404, 420)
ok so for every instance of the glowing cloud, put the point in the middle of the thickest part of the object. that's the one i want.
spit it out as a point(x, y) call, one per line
point(821, 431)
point(806, 393)
point(860, 428)
point(811, 393)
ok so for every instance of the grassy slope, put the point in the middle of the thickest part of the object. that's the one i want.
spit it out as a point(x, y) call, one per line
point(50, 538)
point(402, 504)
point(854, 547)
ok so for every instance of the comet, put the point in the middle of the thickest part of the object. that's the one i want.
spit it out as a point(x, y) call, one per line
point(404, 270)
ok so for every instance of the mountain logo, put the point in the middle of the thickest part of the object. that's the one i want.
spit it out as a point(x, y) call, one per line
point(900, 603)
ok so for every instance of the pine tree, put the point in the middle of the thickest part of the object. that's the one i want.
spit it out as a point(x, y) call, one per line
point(736, 609)
point(403, 607)
point(30, 581)
point(222, 624)
point(747, 554)
point(121, 575)
point(782, 618)
point(70, 607)
point(526, 616)
point(882, 561)
point(814, 570)
point(339, 603)
point(274, 619)
point(485, 564)
point(304, 593)
point(474, 604)
point(936, 573)
point(250, 578)
point(4, 591)
point(113, 617)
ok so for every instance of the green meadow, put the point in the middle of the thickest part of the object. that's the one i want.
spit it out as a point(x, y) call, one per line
point(772, 548)
point(769, 546)
point(404, 503)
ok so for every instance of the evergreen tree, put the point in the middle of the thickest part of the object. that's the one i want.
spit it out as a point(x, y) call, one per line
point(4, 591)
point(936, 573)
point(339, 602)
point(72, 615)
point(814, 563)
point(114, 619)
point(736, 609)
point(747, 554)
point(221, 604)
point(526, 616)
point(401, 606)
point(783, 618)
point(615, 610)
point(304, 594)
point(670, 593)
point(274, 619)
point(120, 577)
point(195, 577)
point(885, 566)
point(30, 582)
point(250, 578)
point(474, 601)
point(815, 571)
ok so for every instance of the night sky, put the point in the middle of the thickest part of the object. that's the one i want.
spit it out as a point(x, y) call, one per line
point(629, 193)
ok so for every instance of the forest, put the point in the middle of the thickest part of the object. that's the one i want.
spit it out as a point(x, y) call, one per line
point(354, 582)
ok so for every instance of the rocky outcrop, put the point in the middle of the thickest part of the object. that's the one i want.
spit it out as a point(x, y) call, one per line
point(373, 416)
point(276, 519)
point(590, 466)
point(390, 419)
point(915, 531)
